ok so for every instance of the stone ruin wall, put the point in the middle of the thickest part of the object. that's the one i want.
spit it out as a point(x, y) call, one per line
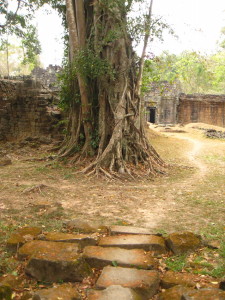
point(47, 77)
point(174, 107)
point(197, 108)
point(26, 109)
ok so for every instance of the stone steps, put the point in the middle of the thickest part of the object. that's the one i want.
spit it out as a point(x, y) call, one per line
point(99, 257)
point(141, 241)
point(144, 283)
point(128, 258)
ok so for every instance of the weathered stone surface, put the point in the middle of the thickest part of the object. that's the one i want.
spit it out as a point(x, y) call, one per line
point(85, 227)
point(25, 110)
point(58, 261)
point(114, 292)
point(22, 235)
point(142, 282)
point(30, 248)
point(174, 293)
point(128, 230)
point(29, 230)
point(83, 239)
point(5, 292)
point(64, 292)
point(213, 244)
point(99, 257)
point(145, 242)
point(171, 279)
point(204, 294)
point(183, 242)
point(201, 108)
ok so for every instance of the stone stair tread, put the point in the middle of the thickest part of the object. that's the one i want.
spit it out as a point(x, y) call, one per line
point(55, 261)
point(172, 278)
point(99, 257)
point(129, 230)
point(114, 292)
point(46, 248)
point(143, 282)
point(82, 239)
point(204, 294)
point(64, 291)
point(127, 241)
point(18, 238)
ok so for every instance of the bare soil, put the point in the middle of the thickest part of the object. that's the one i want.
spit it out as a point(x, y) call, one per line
point(190, 196)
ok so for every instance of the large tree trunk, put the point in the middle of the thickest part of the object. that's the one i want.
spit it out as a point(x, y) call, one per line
point(109, 115)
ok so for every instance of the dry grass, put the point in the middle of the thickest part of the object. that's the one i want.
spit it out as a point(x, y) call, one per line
point(184, 199)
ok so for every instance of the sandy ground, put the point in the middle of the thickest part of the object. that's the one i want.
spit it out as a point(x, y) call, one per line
point(190, 196)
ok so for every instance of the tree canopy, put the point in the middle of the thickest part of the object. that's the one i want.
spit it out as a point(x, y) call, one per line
point(196, 72)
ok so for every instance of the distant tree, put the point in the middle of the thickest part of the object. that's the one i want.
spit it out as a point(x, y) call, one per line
point(14, 63)
point(222, 43)
point(218, 69)
point(15, 18)
point(160, 68)
point(194, 71)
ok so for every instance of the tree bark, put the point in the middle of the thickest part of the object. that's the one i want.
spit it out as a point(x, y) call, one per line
point(77, 37)
point(146, 40)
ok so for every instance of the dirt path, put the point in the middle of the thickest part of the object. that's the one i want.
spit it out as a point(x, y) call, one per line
point(173, 204)
point(190, 196)
point(195, 155)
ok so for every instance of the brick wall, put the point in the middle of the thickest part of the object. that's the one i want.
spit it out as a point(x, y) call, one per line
point(26, 109)
point(209, 109)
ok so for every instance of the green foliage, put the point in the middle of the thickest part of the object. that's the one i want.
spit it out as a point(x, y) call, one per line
point(88, 65)
point(15, 23)
point(158, 69)
point(15, 58)
point(222, 41)
point(31, 45)
point(95, 139)
point(91, 66)
point(197, 73)
point(176, 263)
point(218, 69)
point(66, 79)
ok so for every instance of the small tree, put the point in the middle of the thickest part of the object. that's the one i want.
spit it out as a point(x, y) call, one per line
point(105, 120)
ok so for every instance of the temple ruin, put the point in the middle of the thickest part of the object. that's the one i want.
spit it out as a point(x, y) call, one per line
point(165, 104)
point(29, 106)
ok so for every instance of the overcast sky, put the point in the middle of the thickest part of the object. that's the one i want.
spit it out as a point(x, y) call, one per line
point(197, 23)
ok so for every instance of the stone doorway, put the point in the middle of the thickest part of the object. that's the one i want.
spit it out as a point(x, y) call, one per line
point(152, 115)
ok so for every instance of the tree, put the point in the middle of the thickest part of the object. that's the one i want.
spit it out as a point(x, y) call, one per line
point(105, 120)
point(14, 63)
point(222, 42)
point(103, 83)
point(15, 18)
point(193, 70)
point(218, 70)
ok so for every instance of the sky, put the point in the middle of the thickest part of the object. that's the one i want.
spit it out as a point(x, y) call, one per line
point(196, 22)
